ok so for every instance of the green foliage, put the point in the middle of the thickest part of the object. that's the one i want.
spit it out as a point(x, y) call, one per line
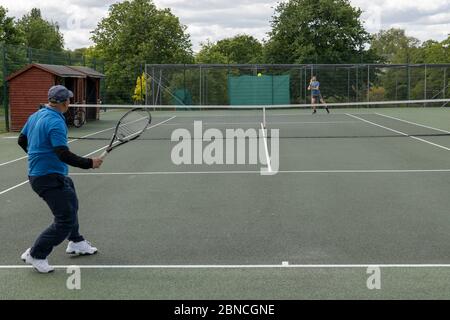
point(394, 46)
point(134, 33)
point(436, 52)
point(39, 33)
point(210, 54)
point(9, 33)
point(239, 49)
point(316, 31)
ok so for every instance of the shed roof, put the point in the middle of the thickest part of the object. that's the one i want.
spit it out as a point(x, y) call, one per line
point(88, 71)
point(60, 71)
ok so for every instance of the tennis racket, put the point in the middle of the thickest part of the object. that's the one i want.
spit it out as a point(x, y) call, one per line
point(130, 127)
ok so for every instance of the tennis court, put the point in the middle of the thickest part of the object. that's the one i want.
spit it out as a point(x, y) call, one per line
point(355, 188)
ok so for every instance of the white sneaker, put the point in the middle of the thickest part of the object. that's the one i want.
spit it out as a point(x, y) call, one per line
point(81, 248)
point(41, 265)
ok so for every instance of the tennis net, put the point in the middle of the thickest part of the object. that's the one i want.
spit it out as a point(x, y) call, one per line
point(421, 118)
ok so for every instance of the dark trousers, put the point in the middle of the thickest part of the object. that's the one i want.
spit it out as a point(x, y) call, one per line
point(59, 193)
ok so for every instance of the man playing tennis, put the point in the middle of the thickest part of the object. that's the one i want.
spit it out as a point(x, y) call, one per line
point(44, 139)
point(314, 87)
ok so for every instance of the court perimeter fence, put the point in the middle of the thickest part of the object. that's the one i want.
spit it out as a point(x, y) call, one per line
point(218, 84)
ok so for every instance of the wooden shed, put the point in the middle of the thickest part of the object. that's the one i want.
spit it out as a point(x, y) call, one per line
point(28, 89)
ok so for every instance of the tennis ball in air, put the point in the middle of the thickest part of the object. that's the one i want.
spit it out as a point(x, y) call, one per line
point(259, 74)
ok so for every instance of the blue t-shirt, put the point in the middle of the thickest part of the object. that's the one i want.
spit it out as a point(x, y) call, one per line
point(315, 88)
point(45, 130)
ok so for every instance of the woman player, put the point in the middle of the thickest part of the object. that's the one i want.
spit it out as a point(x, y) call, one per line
point(314, 87)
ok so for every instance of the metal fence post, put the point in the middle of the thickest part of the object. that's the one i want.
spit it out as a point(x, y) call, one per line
point(445, 83)
point(368, 83)
point(141, 93)
point(408, 71)
point(5, 89)
point(146, 85)
point(153, 86)
point(425, 84)
point(200, 88)
point(30, 55)
point(348, 84)
point(305, 85)
point(357, 84)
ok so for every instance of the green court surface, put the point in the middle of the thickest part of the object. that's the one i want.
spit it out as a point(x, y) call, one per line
point(355, 189)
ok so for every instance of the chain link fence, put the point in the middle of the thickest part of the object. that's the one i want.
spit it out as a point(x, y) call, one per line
point(210, 84)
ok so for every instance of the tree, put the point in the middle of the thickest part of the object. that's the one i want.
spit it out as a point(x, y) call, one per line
point(9, 33)
point(436, 52)
point(89, 56)
point(134, 33)
point(317, 31)
point(239, 49)
point(210, 54)
point(39, 33)
point(409, 83)
point(394, 46)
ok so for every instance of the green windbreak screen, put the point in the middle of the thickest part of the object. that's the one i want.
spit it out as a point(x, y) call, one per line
point(259, 90)
point(181, 97)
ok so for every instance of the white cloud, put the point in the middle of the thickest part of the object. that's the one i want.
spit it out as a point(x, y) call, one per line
point(218, 19)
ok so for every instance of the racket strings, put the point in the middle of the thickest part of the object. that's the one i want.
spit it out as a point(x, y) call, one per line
point(132, 125)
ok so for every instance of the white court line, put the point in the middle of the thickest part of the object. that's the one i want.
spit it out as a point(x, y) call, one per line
point(86, 155)
point(399, 132)
point(266, 149)
point(14, 187)
point(155, 125)
point(340, 113)
point(238, 266)
point(12, 161)
point(255, 172)
point(414, 123)
point(257, 122)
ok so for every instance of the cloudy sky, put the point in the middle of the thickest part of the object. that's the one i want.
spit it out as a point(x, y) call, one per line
point(218, 19)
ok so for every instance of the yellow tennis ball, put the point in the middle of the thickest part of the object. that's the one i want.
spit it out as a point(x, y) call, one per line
point(259, 74)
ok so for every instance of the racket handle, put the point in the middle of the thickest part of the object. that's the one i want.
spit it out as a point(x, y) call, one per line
point(103, 155)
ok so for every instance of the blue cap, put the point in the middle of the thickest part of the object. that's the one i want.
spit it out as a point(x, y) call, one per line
point(59, 94)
